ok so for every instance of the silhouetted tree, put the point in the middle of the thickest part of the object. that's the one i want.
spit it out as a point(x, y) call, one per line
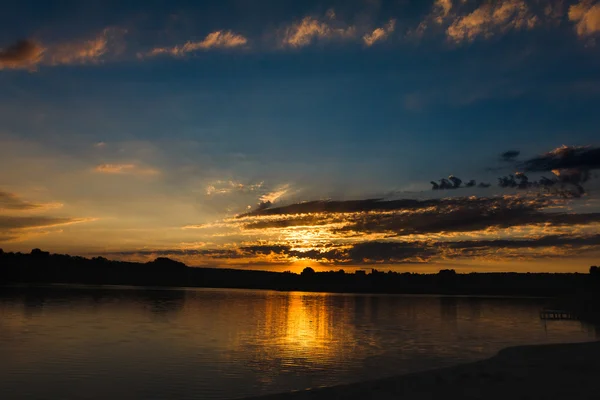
point(308, 271)
point(39, 253)
point(594, 270)
point(167, 262)
point(447, 272)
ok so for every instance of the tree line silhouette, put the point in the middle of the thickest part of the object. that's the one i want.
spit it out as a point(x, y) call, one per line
point(41, 267)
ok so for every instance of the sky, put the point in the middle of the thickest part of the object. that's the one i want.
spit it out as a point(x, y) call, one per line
point(399, 135)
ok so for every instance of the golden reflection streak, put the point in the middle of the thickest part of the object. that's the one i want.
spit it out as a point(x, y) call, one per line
point(302, 329)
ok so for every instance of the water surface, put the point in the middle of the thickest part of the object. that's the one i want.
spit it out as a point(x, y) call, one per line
point(97, 343)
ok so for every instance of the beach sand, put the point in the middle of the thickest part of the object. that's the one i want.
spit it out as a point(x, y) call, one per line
point(561, 371)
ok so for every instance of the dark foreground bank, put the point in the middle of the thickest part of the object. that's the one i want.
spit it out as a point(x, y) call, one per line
point(561, 371)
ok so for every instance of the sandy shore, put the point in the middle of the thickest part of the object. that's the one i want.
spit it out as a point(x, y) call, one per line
point(562, 371)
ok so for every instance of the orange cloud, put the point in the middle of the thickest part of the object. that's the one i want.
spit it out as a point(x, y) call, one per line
point(83, 51)
point(124, 169)
point(303, 33)
point(490, 19)
point(25, 54)
point(214, 40)
point(275, 195)
point(586, 16)
point(380, 34)
point(228, 187)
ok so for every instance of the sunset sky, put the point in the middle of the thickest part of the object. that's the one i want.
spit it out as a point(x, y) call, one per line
point(276, 134)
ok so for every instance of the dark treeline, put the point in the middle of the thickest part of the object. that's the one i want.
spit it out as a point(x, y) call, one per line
point(40, 267)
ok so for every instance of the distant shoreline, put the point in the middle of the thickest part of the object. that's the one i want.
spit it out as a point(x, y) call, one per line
point(554, 371)
point(40, 267)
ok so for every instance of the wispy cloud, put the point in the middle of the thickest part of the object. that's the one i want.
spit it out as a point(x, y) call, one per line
point(275, 195)
point(125, 169)
point(29, 54)
point(311, 29)
point(586, 16)
point(221, 187)
point(21, 220)
point(380, 34)
point(214, 40)
point(83, 51)
point(25, 54)
point(492, 18)
point(11, 202)
point(28, 222)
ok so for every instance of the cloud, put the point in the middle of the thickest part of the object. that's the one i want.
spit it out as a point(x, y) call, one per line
point(221, 187)
point(441, 9)
point(586, 16)
point(86, 51)
point(310, 29)
point(565, 157)
point(379, 34)
point(490, 19)
point(28, 54)
point(24, 54)
point(454, 182)
point(439, 13)
point(10, 201)
point(571, 165)
point(357, 220)
point(214, 40)
point(385, 252)
point(545, 241)
point(275, 195)
point(367, 205)
point(510, 155)
point(389, 252)
point(133, 169)
point(26, 222)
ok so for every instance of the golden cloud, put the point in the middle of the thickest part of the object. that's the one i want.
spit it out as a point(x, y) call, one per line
point(83, 51)
point(125, 169)
point(24, 54)
point(309, 29)
point(380, 34)
point(586, 16)
point(17, 222)
point(214, 40)
point(492, 18)
point(275, 195)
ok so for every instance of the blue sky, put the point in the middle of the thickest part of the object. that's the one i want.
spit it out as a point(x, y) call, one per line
point(126, 123)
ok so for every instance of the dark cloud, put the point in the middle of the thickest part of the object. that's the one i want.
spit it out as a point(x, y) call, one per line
point(11, 222)
point(392, 252)
point(367, 205)
point(454, 182)
point(585, 158)
point(571, 166)
point(546, 241)
point(9, 201)
point(469, 216)
point(507, 182)
point(566, 183)
point(25, 54)
point(510, 155)
point(389, 252)
point(406, 217)
point(263, 206)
